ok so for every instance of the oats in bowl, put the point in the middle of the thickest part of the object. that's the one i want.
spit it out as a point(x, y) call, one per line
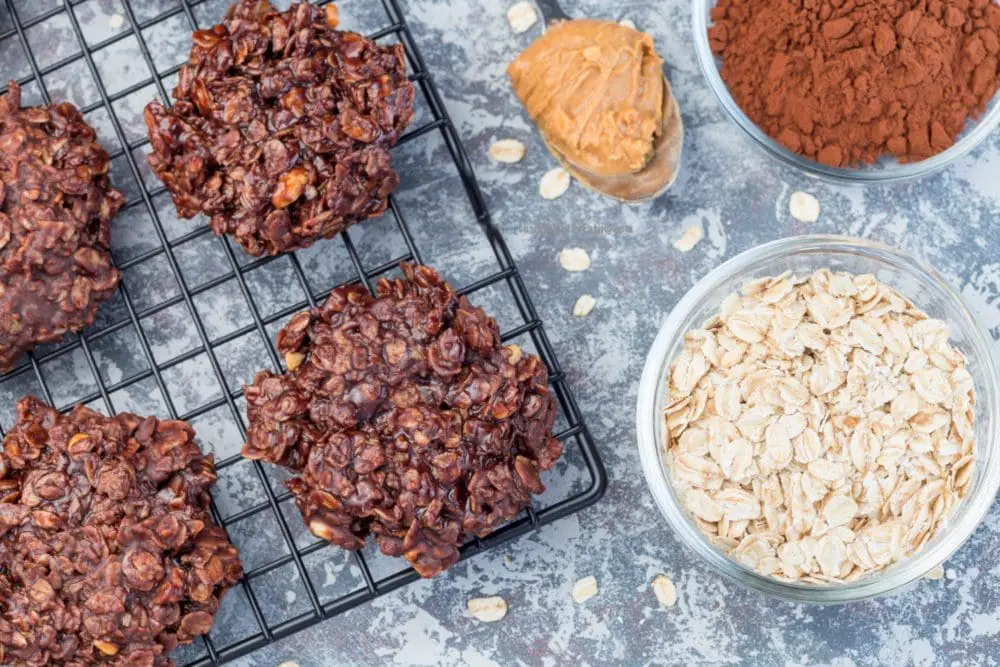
point(820, 428)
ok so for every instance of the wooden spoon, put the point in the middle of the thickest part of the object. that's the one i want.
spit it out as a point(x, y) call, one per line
point(656, 177)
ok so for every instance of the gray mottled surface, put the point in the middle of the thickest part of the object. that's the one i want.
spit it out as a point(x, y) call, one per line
point(740, 199)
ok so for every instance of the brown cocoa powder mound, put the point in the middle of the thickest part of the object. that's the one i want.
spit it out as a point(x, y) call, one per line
point(845, 82)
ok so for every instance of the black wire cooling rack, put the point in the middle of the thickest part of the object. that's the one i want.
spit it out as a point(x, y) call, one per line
point(326, 581)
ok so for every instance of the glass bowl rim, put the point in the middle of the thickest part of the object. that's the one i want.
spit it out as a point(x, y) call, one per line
point(954, 535)
point(892, 173)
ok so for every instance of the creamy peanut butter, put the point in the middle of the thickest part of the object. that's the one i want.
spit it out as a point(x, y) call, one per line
point(596, 91)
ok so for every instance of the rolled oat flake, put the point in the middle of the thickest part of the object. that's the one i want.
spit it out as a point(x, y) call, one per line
point(488, 610)
point(665, 591)
point(584, 305)
point(804, 207)
point(584, 589)
point(820, 428)
point(574, 260)
point(521, 16)
point(507, 151)
point(554, 183)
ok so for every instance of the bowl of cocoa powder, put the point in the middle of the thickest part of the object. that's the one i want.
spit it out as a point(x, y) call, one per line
point(870, 91)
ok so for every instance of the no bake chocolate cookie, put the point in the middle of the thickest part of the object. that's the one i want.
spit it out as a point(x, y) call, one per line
point(404, 418)
point(281, 126)
point(56, 206)
point(108, 553)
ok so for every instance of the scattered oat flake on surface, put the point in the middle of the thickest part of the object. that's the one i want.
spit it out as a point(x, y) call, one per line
point(574, 259)
point(489, 609)
point(665, 591)
point(289, 663)
point(937, 572)
point(521, 17)
point(584, 305)
point(554, 183)
point(507, 151)
point(627, 23)
point(950, 573)
point(804, 207)
point(116, 21)
point(690, 238)
point(584, 589)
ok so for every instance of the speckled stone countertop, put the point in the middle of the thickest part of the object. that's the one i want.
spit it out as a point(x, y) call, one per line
point(740, 199)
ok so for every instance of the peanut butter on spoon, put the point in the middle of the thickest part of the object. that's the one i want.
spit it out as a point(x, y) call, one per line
point(597, 92)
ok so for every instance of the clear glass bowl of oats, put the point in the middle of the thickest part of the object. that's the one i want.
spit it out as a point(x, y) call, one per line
point(841, 462)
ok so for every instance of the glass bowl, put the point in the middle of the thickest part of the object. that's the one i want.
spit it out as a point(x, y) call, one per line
point(804, 255)
point(888, 170)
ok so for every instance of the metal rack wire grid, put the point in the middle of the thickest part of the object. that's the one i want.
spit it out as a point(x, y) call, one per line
point(195, 317)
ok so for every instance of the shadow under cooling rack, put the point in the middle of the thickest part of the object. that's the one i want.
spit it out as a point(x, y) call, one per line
point(194, 317)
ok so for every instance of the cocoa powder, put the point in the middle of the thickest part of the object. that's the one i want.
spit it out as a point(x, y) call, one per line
point(845, 82)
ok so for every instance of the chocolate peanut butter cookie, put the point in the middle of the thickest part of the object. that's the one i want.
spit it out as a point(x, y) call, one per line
point(56, 206)
point(281, 126)
point(404, 418)
point(108, 554)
